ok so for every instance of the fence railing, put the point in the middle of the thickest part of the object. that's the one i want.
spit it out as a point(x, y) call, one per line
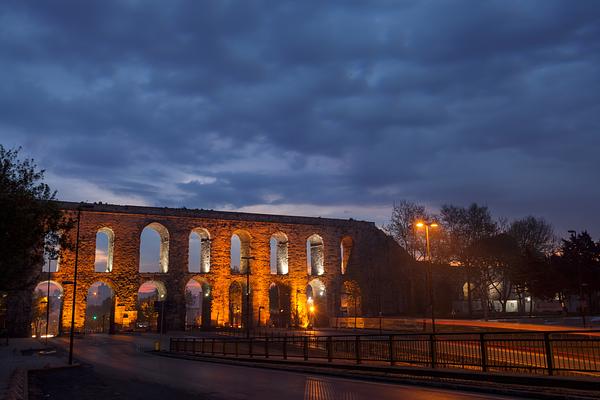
point(262, 332)
point(573, 352)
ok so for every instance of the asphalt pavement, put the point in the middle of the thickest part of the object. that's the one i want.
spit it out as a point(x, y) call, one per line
point(124, 357)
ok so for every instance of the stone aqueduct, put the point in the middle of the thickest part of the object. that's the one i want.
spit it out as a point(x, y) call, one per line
point(354, 254)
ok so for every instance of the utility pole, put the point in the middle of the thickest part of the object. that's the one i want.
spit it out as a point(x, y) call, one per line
point(48, 300)
point(72, 333)
point(297, 313)
point(247, 259)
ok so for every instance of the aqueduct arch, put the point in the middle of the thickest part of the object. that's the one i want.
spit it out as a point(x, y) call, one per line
point(303, 256)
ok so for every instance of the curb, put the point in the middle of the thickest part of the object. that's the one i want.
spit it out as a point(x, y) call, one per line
point(18, 386)
point(402, 377)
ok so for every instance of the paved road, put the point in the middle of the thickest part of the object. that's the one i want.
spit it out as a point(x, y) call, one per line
point(122, 356)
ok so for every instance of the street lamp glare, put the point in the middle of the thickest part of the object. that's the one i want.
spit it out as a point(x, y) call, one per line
point(434, 225)
point(419, 224)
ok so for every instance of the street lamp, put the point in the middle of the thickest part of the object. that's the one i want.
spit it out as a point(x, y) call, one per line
point(427, 226)
point(48, 302)
point(297, 314)
point(72, 333)
point(247, 258)
point(311, 312)
point(259, 309)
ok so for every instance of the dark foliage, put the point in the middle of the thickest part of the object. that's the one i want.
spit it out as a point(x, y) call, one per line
point(30, 222)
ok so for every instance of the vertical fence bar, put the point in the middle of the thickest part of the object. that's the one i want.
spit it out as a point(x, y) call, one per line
point(202, 348)
point(483, 352)
point(357, 348)
point(237, 348)
point(432, 350)
point(329, 349)
point(549, 356)
point(250, 348)
point(194, 344)
point(305, 347)
point(285, 347)
point(213, 347)
point(391, 349)
point(266, 347)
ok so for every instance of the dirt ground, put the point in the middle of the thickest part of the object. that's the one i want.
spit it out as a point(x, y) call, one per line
point(82, 383)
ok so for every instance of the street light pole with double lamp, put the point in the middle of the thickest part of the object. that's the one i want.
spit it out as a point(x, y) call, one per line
point(427, 226)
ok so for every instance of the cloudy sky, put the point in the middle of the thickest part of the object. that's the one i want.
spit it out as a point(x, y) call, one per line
point(333, 108)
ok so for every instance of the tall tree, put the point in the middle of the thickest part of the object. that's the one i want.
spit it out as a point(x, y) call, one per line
point(534, 274)
point(402, 229)
point(533, 234)
point(462, 227)
point(493, 261)
point(579, 264)
point(29, 222)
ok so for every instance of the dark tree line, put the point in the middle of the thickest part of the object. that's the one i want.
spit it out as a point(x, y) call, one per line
point(500, 259)
point(31, 226)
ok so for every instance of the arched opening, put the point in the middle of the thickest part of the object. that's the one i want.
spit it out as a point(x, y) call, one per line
point(100, 309)
point(105, 239)
point(279, 305)
point(345, 252)
point(198, 303)
point(46, 309)
point(279, 253)
point(154, 249)
point(51, 255)
point(240, 252)
point(350, 300)
point(199, 251)
point(150, 307)
point(316, 304)
point(238, 308)
point(314, 255)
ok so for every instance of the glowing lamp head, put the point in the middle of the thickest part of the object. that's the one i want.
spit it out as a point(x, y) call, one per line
point(419, 224)
point(434, 225)
point(311, 308)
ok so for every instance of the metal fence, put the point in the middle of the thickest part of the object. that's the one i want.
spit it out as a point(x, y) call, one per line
point(560, 353)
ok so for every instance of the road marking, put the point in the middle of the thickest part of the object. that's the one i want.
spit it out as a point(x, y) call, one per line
point(319, 389)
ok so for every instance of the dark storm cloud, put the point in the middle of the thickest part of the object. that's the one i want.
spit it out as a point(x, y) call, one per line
point(338, 104)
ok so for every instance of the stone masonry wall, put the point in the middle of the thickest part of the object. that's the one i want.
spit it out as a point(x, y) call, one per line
point(376, 262)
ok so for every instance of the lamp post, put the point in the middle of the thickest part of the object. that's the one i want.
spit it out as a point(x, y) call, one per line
point(311, 312)
point(247, 258)
point(48, 300)
point(259, 309)
point(297, 314)
point(427, 226)
point(72, 333)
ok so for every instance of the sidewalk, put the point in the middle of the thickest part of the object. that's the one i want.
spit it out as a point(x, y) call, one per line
point(23, 353)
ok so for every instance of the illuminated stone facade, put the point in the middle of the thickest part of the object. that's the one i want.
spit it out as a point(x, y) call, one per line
point(372, 261)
